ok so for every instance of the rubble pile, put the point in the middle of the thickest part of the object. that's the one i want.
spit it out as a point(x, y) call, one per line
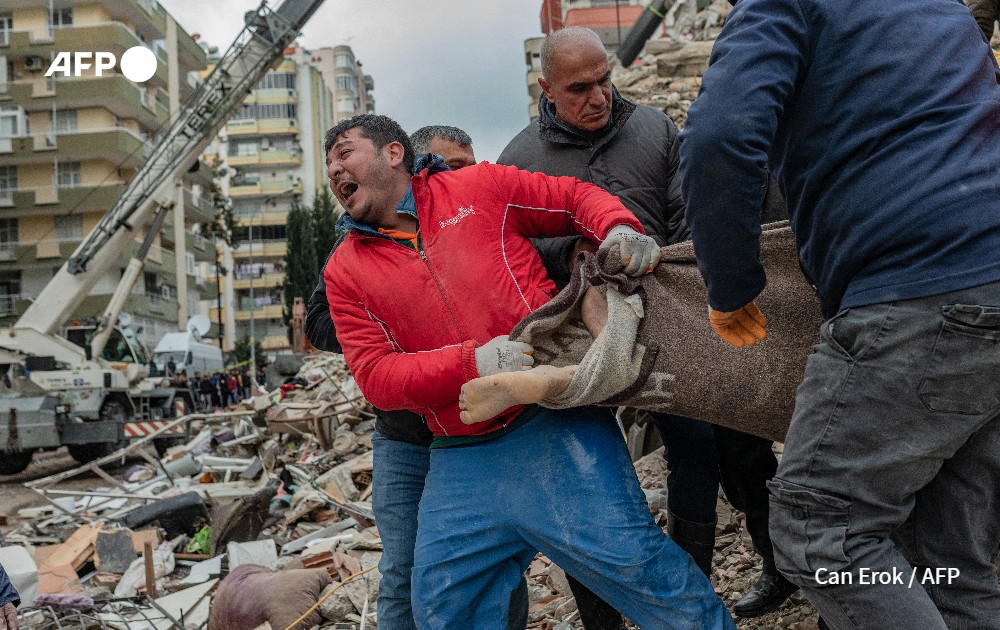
point(260, 517)
point(668, 75)
point(263, 519)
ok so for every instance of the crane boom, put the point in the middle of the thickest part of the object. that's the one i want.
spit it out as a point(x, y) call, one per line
point(258, 48)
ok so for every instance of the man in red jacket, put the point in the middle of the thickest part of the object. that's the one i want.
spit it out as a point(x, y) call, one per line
point(433, 273)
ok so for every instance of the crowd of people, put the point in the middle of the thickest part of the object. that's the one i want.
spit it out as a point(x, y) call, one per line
point(885, 147)
point(220, 389)
point(212, 390)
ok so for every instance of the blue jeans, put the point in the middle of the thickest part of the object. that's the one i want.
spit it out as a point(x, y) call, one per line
point(398, 472)
point(892, 466)
point(562, 484)
point(701, 457)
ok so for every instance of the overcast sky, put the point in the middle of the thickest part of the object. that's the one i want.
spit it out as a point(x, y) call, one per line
point(451, 62)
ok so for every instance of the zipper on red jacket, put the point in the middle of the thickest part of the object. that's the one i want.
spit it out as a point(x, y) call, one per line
point(437, 281)
point(444, 296)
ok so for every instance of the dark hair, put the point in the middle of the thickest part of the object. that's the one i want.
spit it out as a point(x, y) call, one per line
point(381, 130)
point(421, 138)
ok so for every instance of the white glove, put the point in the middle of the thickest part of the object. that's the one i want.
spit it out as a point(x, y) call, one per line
point(500, 354)
point(640, 254)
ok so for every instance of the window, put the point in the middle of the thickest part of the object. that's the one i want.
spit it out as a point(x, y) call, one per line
point(344, 60)
point(69, 227)
point(282, 80)
point(267, 110)
point(8, 232)
point(345, 104)
point(6, 25)
point(12, 122)
point(347, 83)
point(8, 183)
point(68, 174)
point(65, 120)
point(10, 290)
point(8, 239)
point(243, 147)
point(62, 17)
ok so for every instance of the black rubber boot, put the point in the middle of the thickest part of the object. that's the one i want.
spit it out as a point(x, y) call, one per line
point(767, 594)
point(698, 539)
point(595, 613)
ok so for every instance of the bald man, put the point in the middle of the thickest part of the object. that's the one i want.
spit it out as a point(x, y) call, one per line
point(587, 130)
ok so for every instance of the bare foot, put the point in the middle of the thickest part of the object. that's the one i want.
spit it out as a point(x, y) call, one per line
point(594, 311)
point(484, 398)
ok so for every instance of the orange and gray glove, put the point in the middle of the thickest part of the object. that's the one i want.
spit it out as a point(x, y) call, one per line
point(500, 354)
point(640, 253)
point(742, 327)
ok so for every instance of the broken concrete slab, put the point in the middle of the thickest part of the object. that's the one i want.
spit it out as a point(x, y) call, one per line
point(261, 552)
point(190, 604)
point(205, 570)
point(114, 551)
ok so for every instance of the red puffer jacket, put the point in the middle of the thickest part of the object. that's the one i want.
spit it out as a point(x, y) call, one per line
point(409, 322)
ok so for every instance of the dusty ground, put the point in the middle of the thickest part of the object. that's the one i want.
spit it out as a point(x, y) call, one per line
point(14, 496)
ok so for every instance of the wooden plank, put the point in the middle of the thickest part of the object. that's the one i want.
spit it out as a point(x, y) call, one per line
point(77, 550)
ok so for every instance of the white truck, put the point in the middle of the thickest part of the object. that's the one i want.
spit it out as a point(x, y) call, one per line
point(86, 392)
point(186, 351)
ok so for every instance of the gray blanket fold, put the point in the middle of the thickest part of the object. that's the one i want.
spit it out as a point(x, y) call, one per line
point(658, 351)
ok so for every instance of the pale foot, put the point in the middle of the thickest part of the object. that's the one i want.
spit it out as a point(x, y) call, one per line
point(486, 397)
point(594, 311)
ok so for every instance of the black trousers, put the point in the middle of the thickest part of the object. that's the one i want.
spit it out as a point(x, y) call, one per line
point(703, 456)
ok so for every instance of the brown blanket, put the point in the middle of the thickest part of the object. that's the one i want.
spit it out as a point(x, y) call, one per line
point(658, 351)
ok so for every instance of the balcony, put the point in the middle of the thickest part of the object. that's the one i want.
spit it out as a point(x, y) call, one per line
point(55, 248)
point(271, 249)
point(266, 189)
point(198, 209)
point(49, 199)
point(18, 254)
point(114, 144)
point(275, 95)
point(275, 342)
point(268, 157)
point(262, 126)
point(271, 311)
point(264, 281)
point(9, 304)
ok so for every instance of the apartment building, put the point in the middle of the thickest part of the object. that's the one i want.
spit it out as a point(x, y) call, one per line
point(68, 147)
point(274, 151)
point(351, 87)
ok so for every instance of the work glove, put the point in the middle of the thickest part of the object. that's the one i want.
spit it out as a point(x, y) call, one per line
point(8, 617)
point(742, 327)
point(640, 253)
point(500, 354)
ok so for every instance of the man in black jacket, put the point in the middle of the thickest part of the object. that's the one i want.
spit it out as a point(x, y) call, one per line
point(401, 440)
point(587, 130)
point(986, 13)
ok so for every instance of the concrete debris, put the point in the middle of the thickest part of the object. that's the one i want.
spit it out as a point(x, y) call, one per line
point(290, 474)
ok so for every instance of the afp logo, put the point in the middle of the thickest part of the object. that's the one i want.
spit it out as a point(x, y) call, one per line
point(138, 63)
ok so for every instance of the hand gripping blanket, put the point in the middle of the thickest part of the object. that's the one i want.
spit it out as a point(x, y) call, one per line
point(659, 352)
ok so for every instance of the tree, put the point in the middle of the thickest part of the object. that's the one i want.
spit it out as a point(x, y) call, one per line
point(300, 260)
point(324, 215)
point(220, 228)
point(240, 354)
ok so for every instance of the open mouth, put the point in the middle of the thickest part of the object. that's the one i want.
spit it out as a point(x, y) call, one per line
point(346, 189)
